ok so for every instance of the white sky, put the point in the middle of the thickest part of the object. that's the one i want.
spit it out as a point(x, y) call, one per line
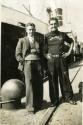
point(73, 10)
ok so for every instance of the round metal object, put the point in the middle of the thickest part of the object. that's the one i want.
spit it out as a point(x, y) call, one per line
point(11, 93)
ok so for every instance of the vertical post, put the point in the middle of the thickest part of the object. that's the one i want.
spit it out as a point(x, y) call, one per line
point(0, 47)
point(0, 55)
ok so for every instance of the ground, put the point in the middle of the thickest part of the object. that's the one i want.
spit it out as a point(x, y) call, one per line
point(66, 114)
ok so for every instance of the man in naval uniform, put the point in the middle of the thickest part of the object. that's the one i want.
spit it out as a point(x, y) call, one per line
point(57, 66)
point(28, 54)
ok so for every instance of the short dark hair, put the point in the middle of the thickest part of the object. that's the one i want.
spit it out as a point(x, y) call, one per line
point(30, 24)
point(53, 18)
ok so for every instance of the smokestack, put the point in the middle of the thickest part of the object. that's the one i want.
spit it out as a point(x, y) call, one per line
point(59, 14)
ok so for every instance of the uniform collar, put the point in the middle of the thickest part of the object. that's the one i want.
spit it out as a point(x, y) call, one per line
point(55, 32)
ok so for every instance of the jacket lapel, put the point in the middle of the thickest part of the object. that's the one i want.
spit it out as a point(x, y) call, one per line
point(27, 43)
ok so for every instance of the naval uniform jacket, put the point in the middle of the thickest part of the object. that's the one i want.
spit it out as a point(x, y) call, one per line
point(56, 41)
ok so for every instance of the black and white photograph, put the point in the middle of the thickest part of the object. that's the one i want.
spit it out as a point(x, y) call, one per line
point(41, 62)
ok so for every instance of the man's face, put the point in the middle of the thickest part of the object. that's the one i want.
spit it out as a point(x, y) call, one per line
point(53, 25)
point(30, 30)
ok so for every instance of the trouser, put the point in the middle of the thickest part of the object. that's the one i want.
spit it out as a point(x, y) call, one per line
point(57, 69)
point(34, 84)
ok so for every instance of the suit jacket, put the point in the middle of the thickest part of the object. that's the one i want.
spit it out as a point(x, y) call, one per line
point(23, 49)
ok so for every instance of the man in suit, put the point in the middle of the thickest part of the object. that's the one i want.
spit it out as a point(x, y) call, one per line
point(57, 66)
point(29, 54)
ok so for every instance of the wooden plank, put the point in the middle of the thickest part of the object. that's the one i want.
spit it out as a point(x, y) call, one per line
point(75, 74)
point(47, 116)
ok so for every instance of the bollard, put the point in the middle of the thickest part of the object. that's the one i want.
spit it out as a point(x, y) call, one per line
point(11, 93)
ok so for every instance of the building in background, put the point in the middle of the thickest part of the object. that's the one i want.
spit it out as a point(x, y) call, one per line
point(15, 14)
point(12, 28)
point(72, 11)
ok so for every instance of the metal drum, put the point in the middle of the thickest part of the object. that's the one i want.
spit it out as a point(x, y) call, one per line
point(11, 93)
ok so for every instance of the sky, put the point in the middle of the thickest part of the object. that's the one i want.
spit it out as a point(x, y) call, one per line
point(72, 10)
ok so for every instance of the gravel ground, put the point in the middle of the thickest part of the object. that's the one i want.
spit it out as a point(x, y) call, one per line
point(19, 117)
point(67, 114)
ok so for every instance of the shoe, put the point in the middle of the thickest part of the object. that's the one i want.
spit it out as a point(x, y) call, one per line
point(72, 102)
point(56, 103)
point(62, 100)
point(37, 109)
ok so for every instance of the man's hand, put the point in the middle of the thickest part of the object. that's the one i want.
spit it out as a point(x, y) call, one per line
point(65, 55)
point(22, 61)
point(33, 50)
point(48, 56)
